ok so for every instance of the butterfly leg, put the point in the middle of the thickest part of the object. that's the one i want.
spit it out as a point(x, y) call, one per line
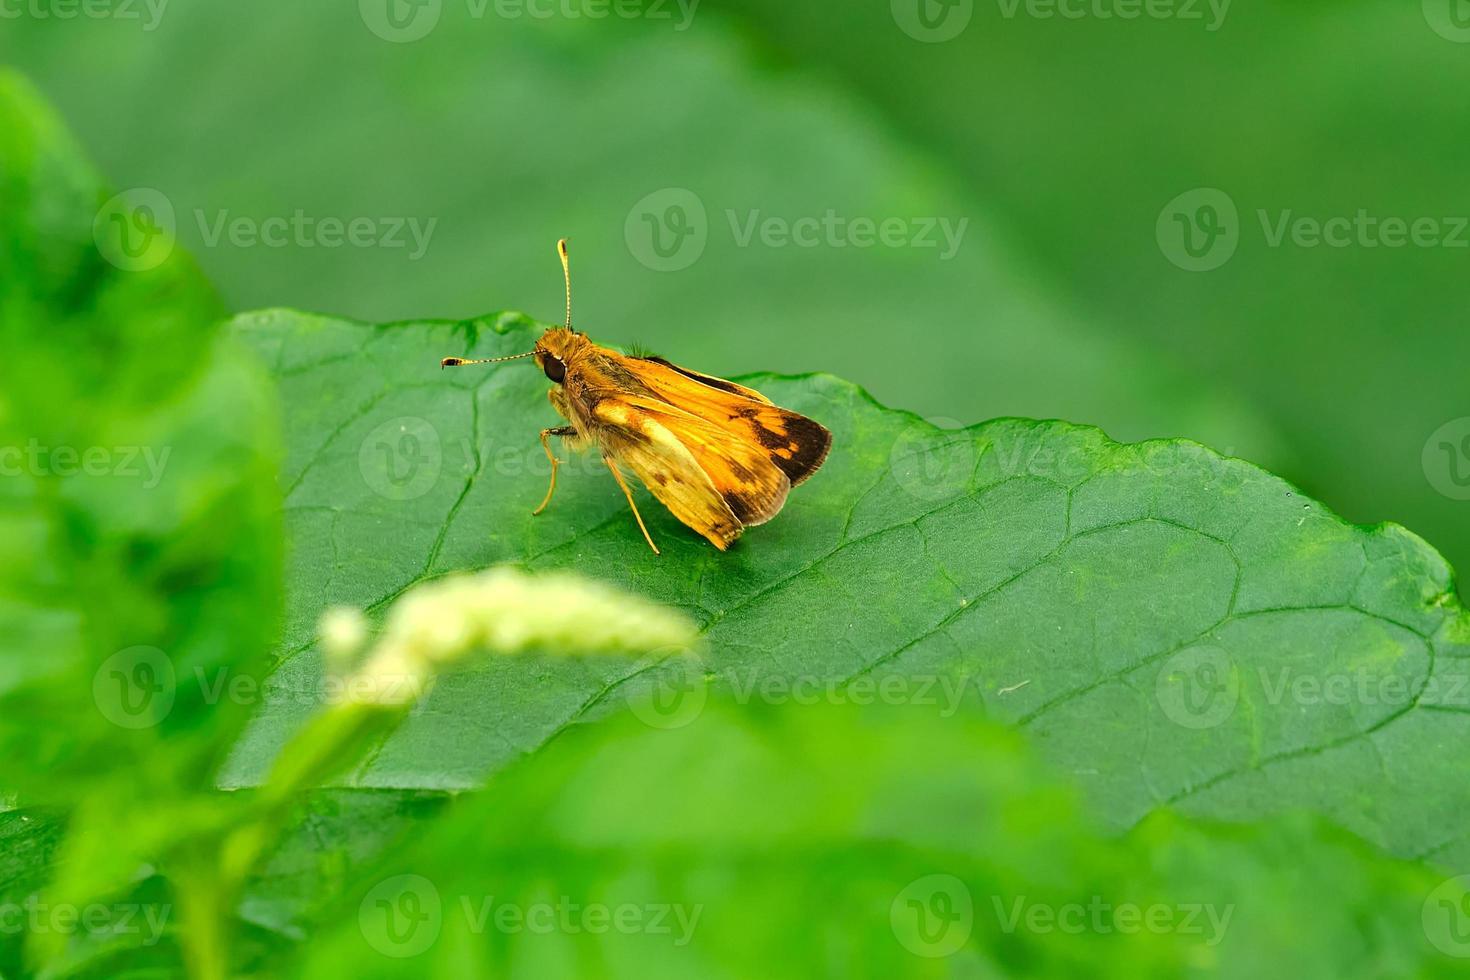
point(612, 465)
point(560, 430)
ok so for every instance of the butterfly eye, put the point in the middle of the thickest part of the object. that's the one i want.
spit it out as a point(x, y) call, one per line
point(554, 368)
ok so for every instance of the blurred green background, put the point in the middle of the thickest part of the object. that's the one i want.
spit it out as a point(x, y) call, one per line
point(1050, 145)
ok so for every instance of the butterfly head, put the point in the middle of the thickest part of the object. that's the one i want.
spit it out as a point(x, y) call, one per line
point(556, 349)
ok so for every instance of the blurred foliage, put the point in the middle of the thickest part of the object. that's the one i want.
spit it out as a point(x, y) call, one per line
point(842, 841)
point(139, 523)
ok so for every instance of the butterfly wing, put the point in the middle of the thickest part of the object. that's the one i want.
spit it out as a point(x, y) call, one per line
point(794, 443)
point(709, 380)
point(707, 477)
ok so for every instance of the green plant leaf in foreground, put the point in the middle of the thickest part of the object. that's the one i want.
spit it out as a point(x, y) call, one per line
point(749, 843)
point(1172, 627)
point(139, 527)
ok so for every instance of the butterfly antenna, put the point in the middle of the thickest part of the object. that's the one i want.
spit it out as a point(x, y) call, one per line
point(459, 361)
point(566, 274)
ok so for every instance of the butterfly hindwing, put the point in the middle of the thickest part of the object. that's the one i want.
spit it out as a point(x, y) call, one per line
point(669, 468)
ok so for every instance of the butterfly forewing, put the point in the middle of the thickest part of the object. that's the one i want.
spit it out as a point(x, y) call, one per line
point(794, 443)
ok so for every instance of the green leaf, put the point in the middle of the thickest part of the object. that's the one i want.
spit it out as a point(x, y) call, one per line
point(840, 840)
point(1154, 615)
point(139, 524)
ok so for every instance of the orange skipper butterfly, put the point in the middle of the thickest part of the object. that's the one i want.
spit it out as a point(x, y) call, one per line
point(720, 456)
